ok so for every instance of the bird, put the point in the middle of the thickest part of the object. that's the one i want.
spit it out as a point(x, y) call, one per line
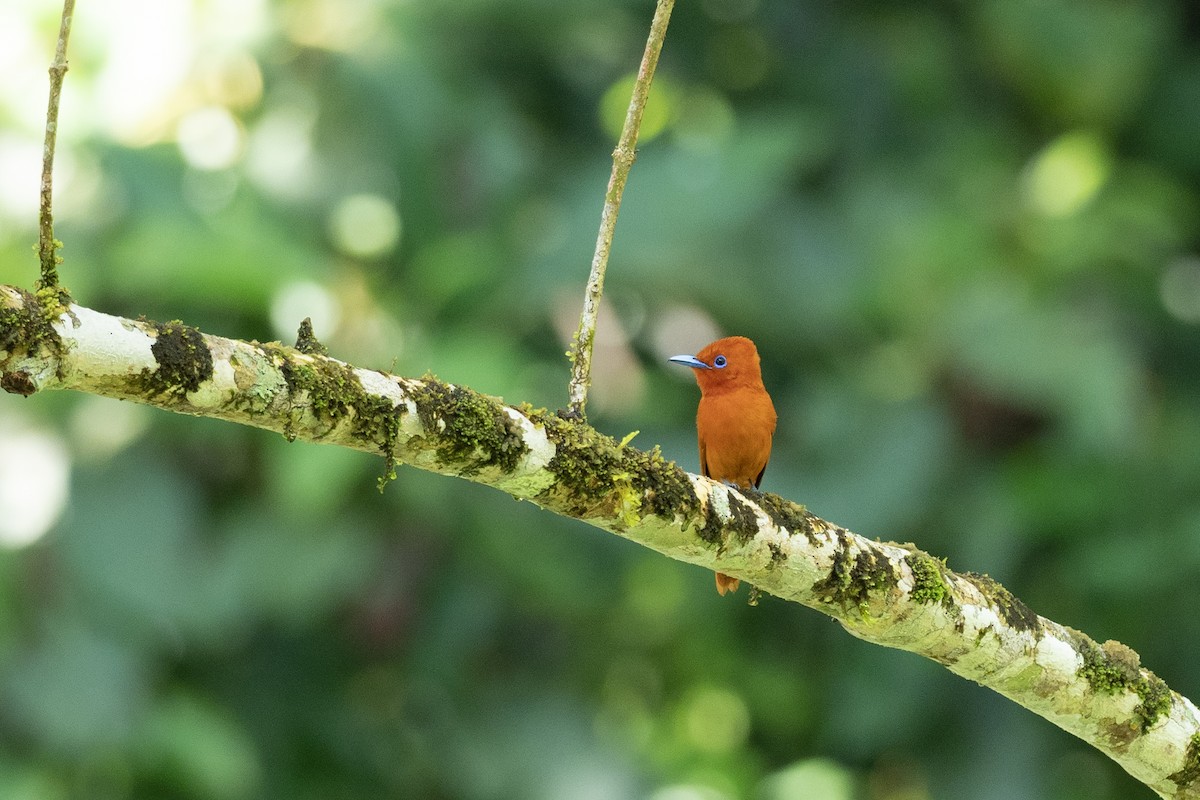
point(735, 420)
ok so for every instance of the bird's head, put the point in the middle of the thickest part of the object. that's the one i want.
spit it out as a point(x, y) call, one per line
point(726, 363)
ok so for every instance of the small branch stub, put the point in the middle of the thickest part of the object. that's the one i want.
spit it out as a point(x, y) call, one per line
point(623, 158)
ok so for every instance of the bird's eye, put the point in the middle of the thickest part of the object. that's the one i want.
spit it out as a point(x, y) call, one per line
point(719, 362)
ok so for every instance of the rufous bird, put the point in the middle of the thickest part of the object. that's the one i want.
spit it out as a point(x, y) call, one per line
point(735, 420)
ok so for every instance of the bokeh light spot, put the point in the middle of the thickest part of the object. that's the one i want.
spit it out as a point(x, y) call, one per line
point(331, 24)
point(210, 191)
point(34, 473)
point(210, 138)
point(1179, 289)
point(141, 73)
point(295, 301)
point(1067, 174)
point(232, 79)
point(816, 777)
point(20, 162)
point(280, 157)
point(365, 225)
point(681, 329)
point(655, 117)
point(716, 720)
point(102, 427)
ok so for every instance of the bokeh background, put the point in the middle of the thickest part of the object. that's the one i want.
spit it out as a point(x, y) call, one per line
point(963, 233)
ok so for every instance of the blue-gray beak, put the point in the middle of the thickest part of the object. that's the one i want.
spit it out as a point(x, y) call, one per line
point(689, 361)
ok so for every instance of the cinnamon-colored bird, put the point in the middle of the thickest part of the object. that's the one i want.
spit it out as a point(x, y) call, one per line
point(735, 420)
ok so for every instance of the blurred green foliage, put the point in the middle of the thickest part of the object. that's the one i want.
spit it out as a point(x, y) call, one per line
point(963, 234)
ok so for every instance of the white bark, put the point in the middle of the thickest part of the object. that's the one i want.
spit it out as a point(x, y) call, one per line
point(885, 593)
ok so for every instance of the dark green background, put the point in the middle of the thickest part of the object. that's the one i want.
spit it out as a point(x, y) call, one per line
point(220, 614)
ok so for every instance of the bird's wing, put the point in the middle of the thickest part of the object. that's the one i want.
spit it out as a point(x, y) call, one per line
point(703, 461)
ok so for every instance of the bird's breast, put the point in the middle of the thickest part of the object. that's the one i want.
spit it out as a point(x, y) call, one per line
point(735, 432)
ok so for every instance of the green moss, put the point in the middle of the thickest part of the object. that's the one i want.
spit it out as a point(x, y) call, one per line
point(1114, 667)
point(334, 393)
point(742, 519)
point(777, 555)
point(378, 419)
point(1190, 771)
point(26, 327)
point(1015, 613)
point(1156, 699)
point(665, 486)
point(712, 528)
point(332, 388)
point(306, 340)
point(1104, 673)
point(49, 277)
point(473, 429)
point(596, 477)
point(27, 320)
point(786, 514)
point(54, 301)
point(583, 460)
point(184, 360)
point(929, 583)
point(855, 574)
point(12, 317)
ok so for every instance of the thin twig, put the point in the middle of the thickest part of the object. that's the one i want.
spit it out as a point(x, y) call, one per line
point(623, 157)
point(47, 246)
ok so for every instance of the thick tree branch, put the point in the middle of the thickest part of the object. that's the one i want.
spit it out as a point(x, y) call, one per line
point(893, 595)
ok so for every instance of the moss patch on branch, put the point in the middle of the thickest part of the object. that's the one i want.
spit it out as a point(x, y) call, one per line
point(1107, 669)
point(306, 340)
point(1015, 613)
point(663, 484)
point(26, 323)
point(184, 360)
point(583, 463)
point(474, 431)
point(793, 517)
point(597, 477)
point(929, 583)
point(1156, 699)
point(334, 393)
point(1114, 667)
point(1190, 771)
point(855, 574)
point(330, 387)
point(741, 521)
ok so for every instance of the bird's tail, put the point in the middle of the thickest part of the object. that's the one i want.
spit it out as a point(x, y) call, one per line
point(726, 583)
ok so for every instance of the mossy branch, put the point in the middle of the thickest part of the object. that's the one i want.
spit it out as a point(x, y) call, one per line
point(889, 594)
point(47, 245)
point(623, 158)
